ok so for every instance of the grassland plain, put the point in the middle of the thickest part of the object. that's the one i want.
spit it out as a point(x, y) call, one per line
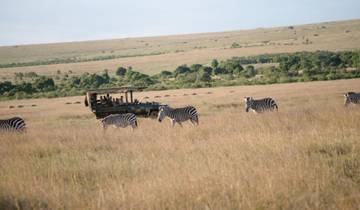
point(182, 49)
point(306, 156)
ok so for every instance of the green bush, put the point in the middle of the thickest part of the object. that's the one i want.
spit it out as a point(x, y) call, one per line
point(293, 67)
point(121, 71)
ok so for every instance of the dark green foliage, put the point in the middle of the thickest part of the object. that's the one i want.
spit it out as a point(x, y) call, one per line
point(235, 45)
point(163, 75)
point(195, 67)
point(44, 84)
point(166, 74)
point(183, 69)
point(91, 81)
point(205, 74)
point(214, 63)
point(249, 71)
point(231, 66)
point(31, 74)
point(5, 87)
point(219, 70)
point(121, 71)
point(288, 67)
point(206, 69)
point(187, 78)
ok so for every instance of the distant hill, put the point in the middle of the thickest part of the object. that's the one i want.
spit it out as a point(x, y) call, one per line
point(154, 54)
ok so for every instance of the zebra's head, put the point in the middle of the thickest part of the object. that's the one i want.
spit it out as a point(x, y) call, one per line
point(162, 111)
point(248, 103)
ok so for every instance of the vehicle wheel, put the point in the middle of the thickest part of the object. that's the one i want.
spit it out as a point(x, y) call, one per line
point(153, 114)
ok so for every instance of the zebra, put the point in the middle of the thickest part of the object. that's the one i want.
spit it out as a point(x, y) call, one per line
point(120, 120)
point(15, 124)
point(179, 115)
point(261, 105)
point(352, 97)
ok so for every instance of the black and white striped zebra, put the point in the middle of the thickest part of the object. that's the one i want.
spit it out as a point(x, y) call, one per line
point(260, 105)
point(120, 120)
point(179, 115)
point(352, 97)
point(15, 124)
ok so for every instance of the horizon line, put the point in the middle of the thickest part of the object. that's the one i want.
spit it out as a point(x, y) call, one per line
point(173, 34)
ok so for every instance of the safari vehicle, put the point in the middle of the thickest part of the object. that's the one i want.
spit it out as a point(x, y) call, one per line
point(103, 102)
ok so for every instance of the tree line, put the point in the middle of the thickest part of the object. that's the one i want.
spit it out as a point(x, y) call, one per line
point(279, 68)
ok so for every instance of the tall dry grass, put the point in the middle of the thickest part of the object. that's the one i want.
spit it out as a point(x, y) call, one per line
point(306, 156)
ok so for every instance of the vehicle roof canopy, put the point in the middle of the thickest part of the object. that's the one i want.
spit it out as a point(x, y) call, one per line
point(115, 90)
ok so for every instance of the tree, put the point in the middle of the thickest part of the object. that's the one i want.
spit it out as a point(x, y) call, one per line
point(5, 86)
point(249, 71)
point(165, 74)
point(183, 69)
point(106, 76)
point(91, 81)
point(207, 69)
point(195, 67)
point(219, 70)
point(44, 84)
point(214, 63)
point(235, 45)
point(231, 65)
point(204, 75)
point(121, 71)
point(19, 76)
point(187, 78)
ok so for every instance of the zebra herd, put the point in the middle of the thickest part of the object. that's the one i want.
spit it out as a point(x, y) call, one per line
point(179, 115)
point(176, 115)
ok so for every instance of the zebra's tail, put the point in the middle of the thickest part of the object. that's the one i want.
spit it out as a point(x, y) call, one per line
point(23, 129)
point(195, 120)
point(276, 107)
point(135, 125)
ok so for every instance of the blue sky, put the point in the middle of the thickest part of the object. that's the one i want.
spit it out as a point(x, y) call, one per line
point(44, 21)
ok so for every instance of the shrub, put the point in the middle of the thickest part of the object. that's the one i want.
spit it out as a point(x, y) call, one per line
point(121, 71)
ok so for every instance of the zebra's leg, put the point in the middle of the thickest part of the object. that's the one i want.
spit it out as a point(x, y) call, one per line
point(173, 122)
point(134, 126)
point(180, 124)
point(23, 130)
point(195, 121)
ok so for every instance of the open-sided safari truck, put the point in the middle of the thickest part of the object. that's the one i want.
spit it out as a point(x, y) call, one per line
point(104, 102)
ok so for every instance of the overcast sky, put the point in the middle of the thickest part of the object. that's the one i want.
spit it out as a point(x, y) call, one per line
point(44, 21)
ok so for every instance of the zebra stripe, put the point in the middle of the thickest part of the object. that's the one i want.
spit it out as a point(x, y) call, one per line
point(120, 120)
point(352, 97)
point(261, 105)
point(15, 124)
point(179, 115)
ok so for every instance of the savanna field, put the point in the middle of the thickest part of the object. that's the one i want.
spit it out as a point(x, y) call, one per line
point(305, 156)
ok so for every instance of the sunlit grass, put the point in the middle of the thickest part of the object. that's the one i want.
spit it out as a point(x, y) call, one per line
point(306, 156)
